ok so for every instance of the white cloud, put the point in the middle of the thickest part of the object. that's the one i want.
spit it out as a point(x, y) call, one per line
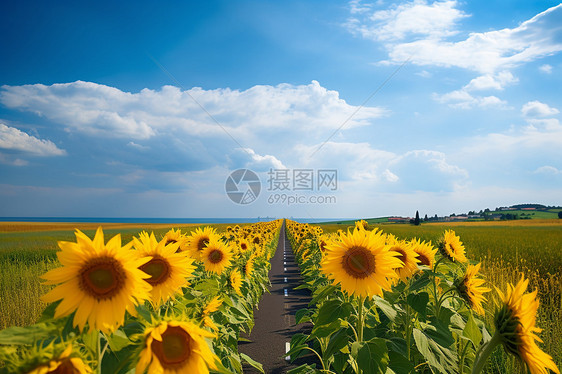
point(104, 111)
point(546, 68)
point(462, 99)
point(484, 52)
point(14, 139)
point(538, 109)
point(548, 170)
point(257, 162)
point(491, 81)
point(410, 19)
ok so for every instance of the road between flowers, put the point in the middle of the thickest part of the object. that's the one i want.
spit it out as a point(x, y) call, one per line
point(275, 316)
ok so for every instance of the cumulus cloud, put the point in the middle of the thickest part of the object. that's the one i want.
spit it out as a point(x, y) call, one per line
point(411, 171)
point(248, 158)
point(538, 109)
point(413, 19)
point(99, 110)
point(13, 139)
point(462, 99)
point(429, 44)
point(491, 81)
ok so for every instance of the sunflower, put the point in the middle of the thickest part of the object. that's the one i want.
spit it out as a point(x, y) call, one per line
point(236, 281)
point(249, 267)
point(213, 306)
point(362, 224)
point(176, 347)
point(244, 245)
point(471, 290)
point(98, 281)
point(515, 324)
point(176, 236)
point(409, 259)
point(60, 358)
point(426, 252)
point(216, 256)
point(452, 247)
point(361, 262)
point(168, 268)
point(199, 239)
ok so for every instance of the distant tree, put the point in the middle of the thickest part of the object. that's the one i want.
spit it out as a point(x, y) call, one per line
point(560, 214)
point(425, 218)
point(487, 210)
point(436, 218)
point(417, 219)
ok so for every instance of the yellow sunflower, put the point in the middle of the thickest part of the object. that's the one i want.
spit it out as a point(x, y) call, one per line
point(452, 247)
point(361, 263)
point(66, 362)
point(407, 256)
point(176, 347)
point(213, 306)
point(236, 281)
point(199, 239)
point(168, 269)
point(470, 288)
point(244, 245)
point(362, 224)
point(98, 281)
point(216, 256)
point(249, 267)
point(426, 252)
point(515, 324)
point(176, 236)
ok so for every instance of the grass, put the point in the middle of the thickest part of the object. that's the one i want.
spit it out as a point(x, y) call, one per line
point(28, 250)
point(507, 249)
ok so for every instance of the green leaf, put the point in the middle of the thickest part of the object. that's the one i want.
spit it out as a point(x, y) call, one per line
point(303, 369)
point(322, 293)
point(438, 330)
point(372, 356)
point(418, 302)
point(422, 344)
point(252, 362)
point(118, 340)
point(326, 330)
point(472, 331)
point(331, 310)
point(336, 343)
point(27, 335)
point(420, 282)
point(399, 363)
point(385, 307)
point(302, 316)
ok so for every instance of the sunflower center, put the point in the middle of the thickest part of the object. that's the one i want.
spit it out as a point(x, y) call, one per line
point(243, 246)
point(358, 262)
point(102, 277)
point(257, 240)
point(158, 269)
point(175, 347)
point(202, 243)
point(323, 246)
point(215, 256)
point(423, 259)
point(65, 367)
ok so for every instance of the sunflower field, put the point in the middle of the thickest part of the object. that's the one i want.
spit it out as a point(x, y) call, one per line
point(151, 305)
point(382, 304)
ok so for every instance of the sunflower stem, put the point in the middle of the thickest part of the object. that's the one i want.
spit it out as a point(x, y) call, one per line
point(99, 352)
point(484, 352)
point(360, 320)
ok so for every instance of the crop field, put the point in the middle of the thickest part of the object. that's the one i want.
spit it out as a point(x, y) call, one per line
point(409, 325)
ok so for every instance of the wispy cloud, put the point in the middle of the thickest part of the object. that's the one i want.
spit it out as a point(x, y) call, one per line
point(427, 39)
point(538, 109)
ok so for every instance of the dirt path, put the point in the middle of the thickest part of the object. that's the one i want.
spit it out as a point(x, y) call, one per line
point(275, 318)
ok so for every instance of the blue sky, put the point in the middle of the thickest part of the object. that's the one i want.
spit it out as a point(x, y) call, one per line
point(139, 109)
